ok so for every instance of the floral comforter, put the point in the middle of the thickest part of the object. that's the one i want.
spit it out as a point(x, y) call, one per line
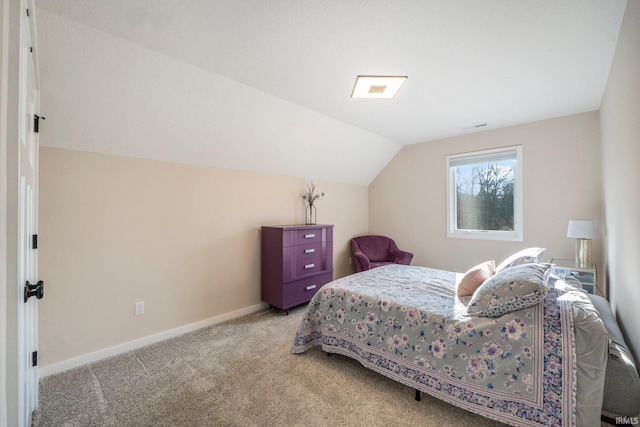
point(407, 323)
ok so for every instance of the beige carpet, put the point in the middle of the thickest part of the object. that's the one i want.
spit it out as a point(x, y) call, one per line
point(238, 373)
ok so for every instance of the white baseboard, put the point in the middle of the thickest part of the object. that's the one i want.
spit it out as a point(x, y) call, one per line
point(76, 362)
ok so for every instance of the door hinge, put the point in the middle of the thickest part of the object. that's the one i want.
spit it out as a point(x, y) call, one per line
point(36, 122)
point(34, 241)
point(27, 11)
point(34, 358)
point(36, 290)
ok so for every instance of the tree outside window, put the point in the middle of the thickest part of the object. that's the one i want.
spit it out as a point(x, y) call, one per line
point(484, 192)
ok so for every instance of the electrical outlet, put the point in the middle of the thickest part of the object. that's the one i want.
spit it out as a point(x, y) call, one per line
point(139, 308)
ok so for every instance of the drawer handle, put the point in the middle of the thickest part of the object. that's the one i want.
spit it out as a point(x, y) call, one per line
point(309, 236)
point(310, 287)
point(309, 251)
point(309, 266)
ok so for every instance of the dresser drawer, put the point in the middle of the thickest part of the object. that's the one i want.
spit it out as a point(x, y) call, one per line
point(309, 250)
point(309, 235)
point(303, 290)
point(306, 251)
point(302, 268)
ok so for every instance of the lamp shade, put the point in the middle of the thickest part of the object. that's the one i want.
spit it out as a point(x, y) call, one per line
point(582, 229)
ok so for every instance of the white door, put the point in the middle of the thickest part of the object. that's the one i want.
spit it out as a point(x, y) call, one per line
point(28, 214)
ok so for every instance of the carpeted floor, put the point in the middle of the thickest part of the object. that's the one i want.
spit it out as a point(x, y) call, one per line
point(238, 373)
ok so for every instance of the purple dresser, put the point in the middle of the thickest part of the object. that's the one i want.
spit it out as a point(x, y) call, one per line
point(297, 260)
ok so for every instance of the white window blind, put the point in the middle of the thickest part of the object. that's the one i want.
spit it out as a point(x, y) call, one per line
point(466, 160)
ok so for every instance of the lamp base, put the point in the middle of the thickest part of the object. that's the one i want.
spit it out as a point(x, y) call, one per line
point(583, 253)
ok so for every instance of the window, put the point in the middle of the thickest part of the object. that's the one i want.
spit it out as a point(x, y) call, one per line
point(484, 194)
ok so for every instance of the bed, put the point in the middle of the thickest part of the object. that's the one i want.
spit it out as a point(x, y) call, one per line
point(535, 363)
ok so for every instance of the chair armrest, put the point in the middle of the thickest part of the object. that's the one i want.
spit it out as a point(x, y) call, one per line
point(362, 260)
point(399, 256)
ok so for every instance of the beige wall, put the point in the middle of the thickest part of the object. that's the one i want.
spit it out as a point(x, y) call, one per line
point(562, 180)
point(183, 239)
point(620, 127)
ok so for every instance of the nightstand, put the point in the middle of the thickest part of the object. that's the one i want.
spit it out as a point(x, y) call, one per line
point(585, 275)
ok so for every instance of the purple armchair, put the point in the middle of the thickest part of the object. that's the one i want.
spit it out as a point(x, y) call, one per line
point(375, 251)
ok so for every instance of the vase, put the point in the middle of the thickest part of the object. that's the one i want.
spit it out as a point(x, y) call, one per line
point(310, 215)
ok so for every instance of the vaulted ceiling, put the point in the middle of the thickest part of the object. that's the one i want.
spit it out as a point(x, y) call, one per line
point(265, 85)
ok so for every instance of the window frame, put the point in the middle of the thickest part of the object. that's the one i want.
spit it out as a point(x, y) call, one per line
point(482, 156)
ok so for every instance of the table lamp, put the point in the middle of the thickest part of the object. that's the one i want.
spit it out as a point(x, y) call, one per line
point(583, 230)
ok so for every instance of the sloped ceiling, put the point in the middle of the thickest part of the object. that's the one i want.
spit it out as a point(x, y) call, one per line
point(265, 85)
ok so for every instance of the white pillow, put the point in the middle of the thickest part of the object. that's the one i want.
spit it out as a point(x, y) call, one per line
point(525, 256)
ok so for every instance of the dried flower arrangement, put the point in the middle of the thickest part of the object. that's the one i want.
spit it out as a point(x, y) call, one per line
point(310, 196)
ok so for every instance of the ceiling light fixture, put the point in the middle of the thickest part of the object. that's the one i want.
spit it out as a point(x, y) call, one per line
point(377, 86)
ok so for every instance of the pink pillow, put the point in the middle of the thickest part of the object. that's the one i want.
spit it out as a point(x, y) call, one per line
point(475, 277)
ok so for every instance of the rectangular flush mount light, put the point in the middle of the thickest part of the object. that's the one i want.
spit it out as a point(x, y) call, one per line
point(377, 86)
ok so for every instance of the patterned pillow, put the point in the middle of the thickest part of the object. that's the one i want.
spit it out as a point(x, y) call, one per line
point(474, 277)
point(525, 256)
point(510, 290)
